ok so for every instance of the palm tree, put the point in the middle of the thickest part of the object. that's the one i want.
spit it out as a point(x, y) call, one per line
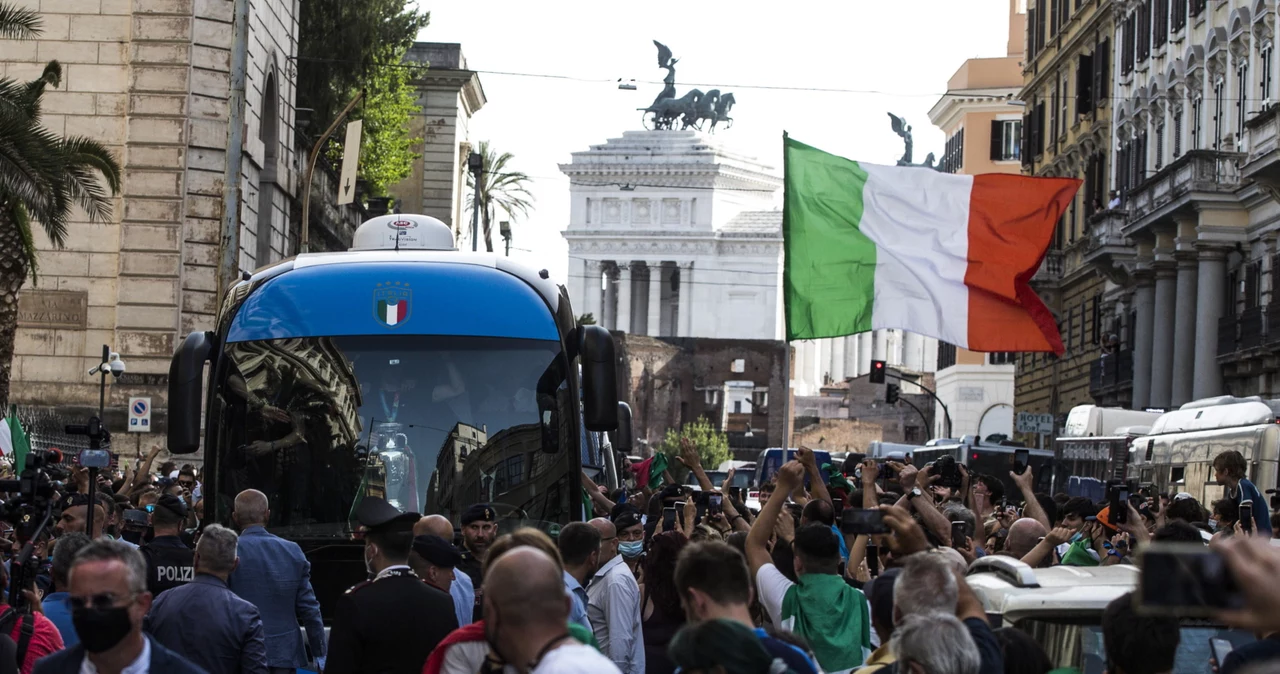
point(42, 178)
point(500, 189)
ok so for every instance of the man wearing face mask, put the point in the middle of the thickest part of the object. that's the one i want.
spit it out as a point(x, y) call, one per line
point(613, 604)
point(109, 599)
point(390, 624)
point(630, 528)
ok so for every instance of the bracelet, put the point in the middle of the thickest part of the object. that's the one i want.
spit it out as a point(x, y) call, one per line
point(735, 518)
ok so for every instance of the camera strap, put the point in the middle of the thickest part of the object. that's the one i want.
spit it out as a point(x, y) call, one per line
point(24, 638)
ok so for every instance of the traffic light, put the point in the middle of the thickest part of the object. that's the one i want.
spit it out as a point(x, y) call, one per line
point(877, 372)
point(891, 392)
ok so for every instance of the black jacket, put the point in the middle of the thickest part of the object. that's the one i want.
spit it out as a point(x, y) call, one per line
point(388, 626)
point(69, 661)
point(170, 563)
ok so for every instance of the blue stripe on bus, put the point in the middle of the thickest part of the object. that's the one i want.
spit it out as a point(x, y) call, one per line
point(444, 299)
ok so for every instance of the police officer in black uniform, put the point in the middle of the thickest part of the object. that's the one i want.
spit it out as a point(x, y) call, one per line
point(390, 624)
point(479, 527)
point(170, 562)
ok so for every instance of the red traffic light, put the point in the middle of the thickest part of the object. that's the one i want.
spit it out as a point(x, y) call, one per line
point(877, 372)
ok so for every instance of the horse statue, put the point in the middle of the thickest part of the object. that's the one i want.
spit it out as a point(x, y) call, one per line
point(705, 109)
point(723, 106)
point(666, 111)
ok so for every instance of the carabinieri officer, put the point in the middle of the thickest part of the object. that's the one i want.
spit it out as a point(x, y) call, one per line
point(390, 624)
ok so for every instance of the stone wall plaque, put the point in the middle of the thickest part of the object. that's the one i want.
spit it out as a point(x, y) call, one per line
point(53, 309)
point(971, 394)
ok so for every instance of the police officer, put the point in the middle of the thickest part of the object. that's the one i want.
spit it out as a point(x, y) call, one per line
point(170, 562)
point(479, 527)
point(390, 624)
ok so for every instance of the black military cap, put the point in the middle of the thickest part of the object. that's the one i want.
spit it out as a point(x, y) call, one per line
point(437, 551)
point(625, 516)
point(173, 504)
point(480, 512)
point(381, 517)
point(73, 500)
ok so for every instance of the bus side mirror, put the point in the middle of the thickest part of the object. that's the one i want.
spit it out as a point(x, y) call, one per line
point(621, 438)
point(599, 378)
point(186, 392)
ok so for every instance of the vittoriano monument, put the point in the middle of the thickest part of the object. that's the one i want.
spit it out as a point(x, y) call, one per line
point(692, 109)
point(903, 129)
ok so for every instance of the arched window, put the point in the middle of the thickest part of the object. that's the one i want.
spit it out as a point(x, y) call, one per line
point(269, 134)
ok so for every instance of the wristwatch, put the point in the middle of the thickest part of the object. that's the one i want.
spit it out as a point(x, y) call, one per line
point(914, 493)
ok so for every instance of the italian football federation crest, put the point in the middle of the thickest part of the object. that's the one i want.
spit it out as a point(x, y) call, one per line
point(391, 303)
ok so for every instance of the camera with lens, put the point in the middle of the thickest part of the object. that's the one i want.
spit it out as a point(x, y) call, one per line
point(30, 512)
point(948, 472)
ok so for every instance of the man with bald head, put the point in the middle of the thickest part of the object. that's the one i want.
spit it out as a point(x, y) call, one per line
point(525, 611)
point(1024, 534)
point(462, 590)
point(613, 604)
point(275, 576)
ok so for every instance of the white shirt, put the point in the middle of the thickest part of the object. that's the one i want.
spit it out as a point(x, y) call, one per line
point(613, 607)
point(141, 665)
point(575, 659)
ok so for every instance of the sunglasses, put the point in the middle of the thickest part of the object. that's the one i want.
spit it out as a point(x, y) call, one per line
point(101, 601)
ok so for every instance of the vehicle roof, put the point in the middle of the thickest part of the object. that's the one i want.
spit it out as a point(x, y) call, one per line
point(1016, 591)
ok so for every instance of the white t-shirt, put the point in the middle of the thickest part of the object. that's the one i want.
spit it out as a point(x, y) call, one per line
point(575, 659)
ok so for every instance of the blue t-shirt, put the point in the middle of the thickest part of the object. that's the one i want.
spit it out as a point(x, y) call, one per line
point(796, 658)
point(59, 613)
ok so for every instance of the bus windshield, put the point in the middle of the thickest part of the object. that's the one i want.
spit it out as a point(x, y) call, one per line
point(431, 423)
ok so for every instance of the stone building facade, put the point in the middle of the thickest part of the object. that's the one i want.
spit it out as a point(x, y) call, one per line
point(736, 384)
point(1068, 74)
point(448, 95)
point(151, 80)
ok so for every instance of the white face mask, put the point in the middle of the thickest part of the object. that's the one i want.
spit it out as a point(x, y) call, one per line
point(1213, 524)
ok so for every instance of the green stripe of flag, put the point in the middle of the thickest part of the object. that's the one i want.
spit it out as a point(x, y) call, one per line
point(830, 267)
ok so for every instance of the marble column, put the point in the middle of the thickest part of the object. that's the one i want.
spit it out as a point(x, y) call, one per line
point(824, 360)
point(1162, 335)
point(591, 290)
point(866, 351)
point(851, 356)
point(623, 321)
point(1184, 330)
point(654, 319)
point(1144, 304)
point(610, 310)
point(880, 350)
point(837, 359)
point(685, 293)
point(1211, 298)
point(913, 351)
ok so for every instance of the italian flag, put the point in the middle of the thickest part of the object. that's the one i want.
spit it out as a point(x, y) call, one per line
point(948, 256)
point(392, 312)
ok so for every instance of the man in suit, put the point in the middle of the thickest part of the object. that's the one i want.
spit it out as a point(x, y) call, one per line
point(109, 599)
point(275, 576)
point(388, 625)
point(204, 621)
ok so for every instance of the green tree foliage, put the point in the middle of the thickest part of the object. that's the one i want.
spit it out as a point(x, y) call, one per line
point(712, 445)
point(587, 319)
point(345, 47)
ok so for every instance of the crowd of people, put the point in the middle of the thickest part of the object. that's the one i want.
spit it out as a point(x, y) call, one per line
point(666, 579)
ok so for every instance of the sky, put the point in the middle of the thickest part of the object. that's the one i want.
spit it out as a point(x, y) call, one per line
point(892, 57)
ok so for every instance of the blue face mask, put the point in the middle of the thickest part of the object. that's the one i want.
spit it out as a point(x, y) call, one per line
point(631, 549)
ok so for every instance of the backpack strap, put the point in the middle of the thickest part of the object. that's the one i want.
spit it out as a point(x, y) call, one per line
point(7, 619)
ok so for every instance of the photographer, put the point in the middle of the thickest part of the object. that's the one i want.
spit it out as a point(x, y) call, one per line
point(44, 636)
point(170, 562)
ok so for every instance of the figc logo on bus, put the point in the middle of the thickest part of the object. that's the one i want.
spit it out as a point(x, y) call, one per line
point(391, 303)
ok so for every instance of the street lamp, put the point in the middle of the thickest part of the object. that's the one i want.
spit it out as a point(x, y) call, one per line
point(504, 227)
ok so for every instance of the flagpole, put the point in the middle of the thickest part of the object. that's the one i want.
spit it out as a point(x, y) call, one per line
point(786, 399)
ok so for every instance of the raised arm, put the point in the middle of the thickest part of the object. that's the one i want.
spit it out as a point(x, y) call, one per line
point(817, 487)
point(757, 544)
point(1031, 507)
point(737, 521)
point(597, 499)
point(689, 457)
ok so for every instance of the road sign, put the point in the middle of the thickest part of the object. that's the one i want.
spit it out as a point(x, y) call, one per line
point(1035, 424)
point(350, 163)
point(139, 415)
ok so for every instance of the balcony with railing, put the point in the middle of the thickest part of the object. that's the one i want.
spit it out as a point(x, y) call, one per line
point(1262, 138)
point(1050, 271)
point(1198, 175)
point(1111, 378)
point(1228, 335)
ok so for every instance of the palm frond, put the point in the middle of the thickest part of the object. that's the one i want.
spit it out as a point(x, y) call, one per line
point(17, 23)
point(29, 162)
point(22, 220)
point(92, 154)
